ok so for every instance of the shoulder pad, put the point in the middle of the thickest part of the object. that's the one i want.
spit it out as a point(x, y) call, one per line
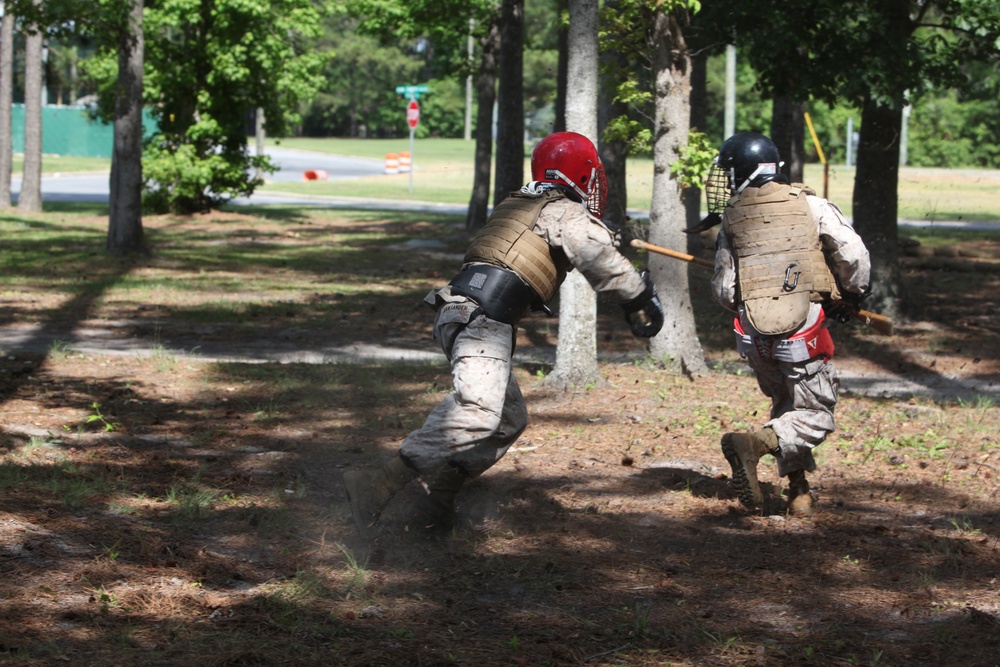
point(802, 188)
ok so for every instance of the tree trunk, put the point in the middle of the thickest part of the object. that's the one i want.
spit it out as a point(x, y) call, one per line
point(125, 233)
point(258, 135)
point(699, 116)
point(30, 198)
point(510, 101)
point(576, 353)
point(485, 97)
point(559, 125)
point(6, 100)
point(614, 153)
point(678, 340)
point(876, 182)
point(788, 129)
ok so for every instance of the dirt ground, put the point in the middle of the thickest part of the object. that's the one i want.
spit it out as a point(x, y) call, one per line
point(168, 496)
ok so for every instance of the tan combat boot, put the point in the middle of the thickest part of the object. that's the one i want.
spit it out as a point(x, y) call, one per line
point(800, 501)
point(369, 491)
point(743, 450)
point(435, 510)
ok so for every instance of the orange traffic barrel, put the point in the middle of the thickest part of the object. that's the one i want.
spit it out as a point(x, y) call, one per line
point(392, 163)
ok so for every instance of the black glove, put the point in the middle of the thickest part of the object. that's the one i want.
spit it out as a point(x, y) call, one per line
point(847, 307)
point(644, 313)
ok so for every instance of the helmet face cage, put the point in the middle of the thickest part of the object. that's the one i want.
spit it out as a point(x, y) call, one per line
point(597, 199)
point(717, 188)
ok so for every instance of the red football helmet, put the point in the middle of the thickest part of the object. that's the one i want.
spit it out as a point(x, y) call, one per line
point(570, 159)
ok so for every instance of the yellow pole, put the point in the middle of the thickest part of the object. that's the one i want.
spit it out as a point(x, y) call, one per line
point(822, 158)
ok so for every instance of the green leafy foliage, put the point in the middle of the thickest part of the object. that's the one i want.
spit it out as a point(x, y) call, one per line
point(209, 65)
point(695, 161)
point(358, 94)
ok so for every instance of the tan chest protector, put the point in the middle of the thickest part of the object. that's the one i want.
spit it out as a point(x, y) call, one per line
point(507, 240)
point(780, 265)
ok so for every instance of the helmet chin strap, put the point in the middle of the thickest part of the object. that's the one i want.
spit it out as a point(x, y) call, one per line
point(762, 168)
point(570, 183)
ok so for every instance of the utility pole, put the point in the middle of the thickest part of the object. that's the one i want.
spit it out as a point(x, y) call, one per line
point(730, 111)
point(468, 86)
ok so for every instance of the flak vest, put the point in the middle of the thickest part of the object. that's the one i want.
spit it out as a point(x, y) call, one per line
point(780, 265)
point(507, 240)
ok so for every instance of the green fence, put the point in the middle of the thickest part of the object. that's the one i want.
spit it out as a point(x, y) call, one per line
point(69, 131)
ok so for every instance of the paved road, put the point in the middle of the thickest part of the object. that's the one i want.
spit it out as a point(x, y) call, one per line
point(292, 164)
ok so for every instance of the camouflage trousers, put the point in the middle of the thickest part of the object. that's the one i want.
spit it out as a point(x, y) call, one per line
point(803, 396)
point(485, 412)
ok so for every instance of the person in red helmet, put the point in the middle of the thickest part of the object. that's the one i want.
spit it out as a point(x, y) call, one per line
point(514, 265)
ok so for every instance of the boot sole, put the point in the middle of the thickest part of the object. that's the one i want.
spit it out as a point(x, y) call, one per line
point(744, 476)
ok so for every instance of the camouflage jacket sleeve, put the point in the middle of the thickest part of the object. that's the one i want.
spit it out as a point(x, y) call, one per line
point(846, 251)
point(724, 278)
point(590, 247)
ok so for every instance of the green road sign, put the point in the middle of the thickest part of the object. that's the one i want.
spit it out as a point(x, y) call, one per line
point(411, 91)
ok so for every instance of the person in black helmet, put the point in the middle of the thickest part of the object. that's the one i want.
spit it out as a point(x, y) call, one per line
point(515, 264)
point(785, 261)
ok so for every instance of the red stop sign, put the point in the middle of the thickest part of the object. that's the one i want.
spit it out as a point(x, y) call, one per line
point(413, 114)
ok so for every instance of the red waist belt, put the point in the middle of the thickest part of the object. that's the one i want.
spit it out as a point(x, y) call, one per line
point(806, 344)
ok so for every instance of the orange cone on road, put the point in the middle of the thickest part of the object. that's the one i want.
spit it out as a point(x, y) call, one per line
point(314, 175)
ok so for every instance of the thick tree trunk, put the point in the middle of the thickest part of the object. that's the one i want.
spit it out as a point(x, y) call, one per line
point(678, 340)
point(788, 127)
point(576, 353)
point(510, 101)
point(30, 197)
point(485, 97)
point(876, 183)
point(125, 233)
point(6, 99)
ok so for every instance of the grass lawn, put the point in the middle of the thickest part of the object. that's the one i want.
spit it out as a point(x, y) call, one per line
point(64, 164)
point(443, 173)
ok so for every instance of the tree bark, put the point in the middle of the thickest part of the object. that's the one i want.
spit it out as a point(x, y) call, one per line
point(576, 353)
point(788, 129)
point(125, 233)
point(6, 100)
point(30, 197)
point(510, 101)
point(875, 204)
point(485, 97)
point(678, 340)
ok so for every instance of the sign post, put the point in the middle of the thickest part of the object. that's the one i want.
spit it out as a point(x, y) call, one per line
point(412, 115)
point(412, 118)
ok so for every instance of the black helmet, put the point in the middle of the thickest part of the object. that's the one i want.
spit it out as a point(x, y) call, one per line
point(749, 158)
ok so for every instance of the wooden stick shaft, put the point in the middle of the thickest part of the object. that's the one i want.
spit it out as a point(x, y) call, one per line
point(638, 243)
